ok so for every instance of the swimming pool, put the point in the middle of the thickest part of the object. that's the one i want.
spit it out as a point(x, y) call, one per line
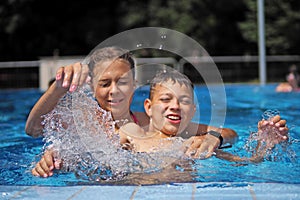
point(245, 105)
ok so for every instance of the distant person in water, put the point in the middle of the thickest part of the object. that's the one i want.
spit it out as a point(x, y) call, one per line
point(293, 81)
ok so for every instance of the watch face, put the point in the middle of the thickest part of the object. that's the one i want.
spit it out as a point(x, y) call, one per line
point(217, 135)
point(214, 133)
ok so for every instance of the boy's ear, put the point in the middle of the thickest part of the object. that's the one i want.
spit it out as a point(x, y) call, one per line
point(135, 84)
point(194, 109)
point(147, 107)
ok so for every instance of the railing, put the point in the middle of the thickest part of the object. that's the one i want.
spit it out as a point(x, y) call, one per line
point(232, 68)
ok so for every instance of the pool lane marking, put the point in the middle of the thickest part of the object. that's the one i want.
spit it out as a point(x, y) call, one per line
point(194, 191)
point(252, 192)
point(134, 192)
point(76, 193)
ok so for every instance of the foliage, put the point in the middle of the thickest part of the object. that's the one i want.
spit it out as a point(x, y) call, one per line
point(282, 25)
point(33, 28)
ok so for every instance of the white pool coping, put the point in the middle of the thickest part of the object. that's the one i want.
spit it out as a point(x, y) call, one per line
point(223, 190)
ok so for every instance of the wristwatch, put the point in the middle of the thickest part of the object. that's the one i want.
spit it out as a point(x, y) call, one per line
point(217, 135)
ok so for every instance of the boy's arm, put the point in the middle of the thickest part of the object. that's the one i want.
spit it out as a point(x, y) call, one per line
point(270, 132)
point(229, 136)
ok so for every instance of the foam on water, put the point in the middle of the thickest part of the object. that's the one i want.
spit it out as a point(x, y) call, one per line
point(84, 137)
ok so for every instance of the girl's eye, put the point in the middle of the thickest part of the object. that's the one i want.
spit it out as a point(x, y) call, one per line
point(104, 84)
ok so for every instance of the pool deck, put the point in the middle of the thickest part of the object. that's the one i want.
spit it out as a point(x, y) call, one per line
point(184, 191)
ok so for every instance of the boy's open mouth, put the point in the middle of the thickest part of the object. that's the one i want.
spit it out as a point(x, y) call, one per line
point(174, 118)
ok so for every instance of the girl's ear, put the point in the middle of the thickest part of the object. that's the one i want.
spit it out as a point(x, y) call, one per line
point(147, 107)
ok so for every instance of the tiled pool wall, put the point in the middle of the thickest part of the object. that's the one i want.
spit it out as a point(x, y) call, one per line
point(192, 191)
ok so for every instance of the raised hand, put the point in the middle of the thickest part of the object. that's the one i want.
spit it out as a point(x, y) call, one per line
point(272, 131)
point(72, 76)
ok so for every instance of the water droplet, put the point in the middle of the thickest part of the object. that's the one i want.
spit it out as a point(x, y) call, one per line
point(139, 45)
point(160, 46)
point(163, 37)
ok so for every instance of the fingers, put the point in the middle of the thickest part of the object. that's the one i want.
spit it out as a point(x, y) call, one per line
point(48, 160)
point(280, 123)
point(41, 169)
point(205, 151)
point(84, 77)
point(72, 76)
point(276, 129)
point(45, 166)
point(193, 145)
point(275, 119)
point(202, 148)
point(68, 75)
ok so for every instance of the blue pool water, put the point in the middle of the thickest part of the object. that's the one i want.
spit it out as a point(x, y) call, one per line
point(245, 106)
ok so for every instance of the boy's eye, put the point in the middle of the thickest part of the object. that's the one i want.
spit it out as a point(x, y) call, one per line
point(186, 101)
point(165, 99)
point(122, 82)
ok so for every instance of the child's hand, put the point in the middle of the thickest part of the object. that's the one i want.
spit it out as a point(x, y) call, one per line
point(272, 131)
point(202, 146)
point(72, 76)
point(46, 165)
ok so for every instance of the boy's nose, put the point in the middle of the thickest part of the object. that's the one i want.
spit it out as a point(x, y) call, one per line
point(175, 104)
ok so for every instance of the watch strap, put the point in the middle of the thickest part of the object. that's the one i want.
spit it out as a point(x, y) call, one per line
point(217, 135)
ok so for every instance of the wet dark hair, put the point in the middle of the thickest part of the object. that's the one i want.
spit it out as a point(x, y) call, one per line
point(170, 75)
point(110, 53)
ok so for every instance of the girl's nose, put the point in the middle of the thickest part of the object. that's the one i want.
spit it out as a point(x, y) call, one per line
point(114, 88)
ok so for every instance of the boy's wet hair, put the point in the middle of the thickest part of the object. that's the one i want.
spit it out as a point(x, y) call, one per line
point(110, 53)
point(170, 75)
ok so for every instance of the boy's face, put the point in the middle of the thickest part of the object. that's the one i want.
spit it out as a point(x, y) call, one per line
point(171, 108)
point(114, 86)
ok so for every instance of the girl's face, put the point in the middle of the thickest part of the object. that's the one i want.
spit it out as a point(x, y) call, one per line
point(114, 87)
point(170, 109)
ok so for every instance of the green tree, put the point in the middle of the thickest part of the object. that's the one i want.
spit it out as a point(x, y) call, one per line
point(212, 23)
point(282, 25)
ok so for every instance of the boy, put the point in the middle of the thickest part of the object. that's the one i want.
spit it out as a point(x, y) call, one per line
point(171, 107)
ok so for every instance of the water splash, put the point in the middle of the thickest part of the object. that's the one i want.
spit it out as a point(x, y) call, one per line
point(84, 137)
point(268, 136)
point(268, 114)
